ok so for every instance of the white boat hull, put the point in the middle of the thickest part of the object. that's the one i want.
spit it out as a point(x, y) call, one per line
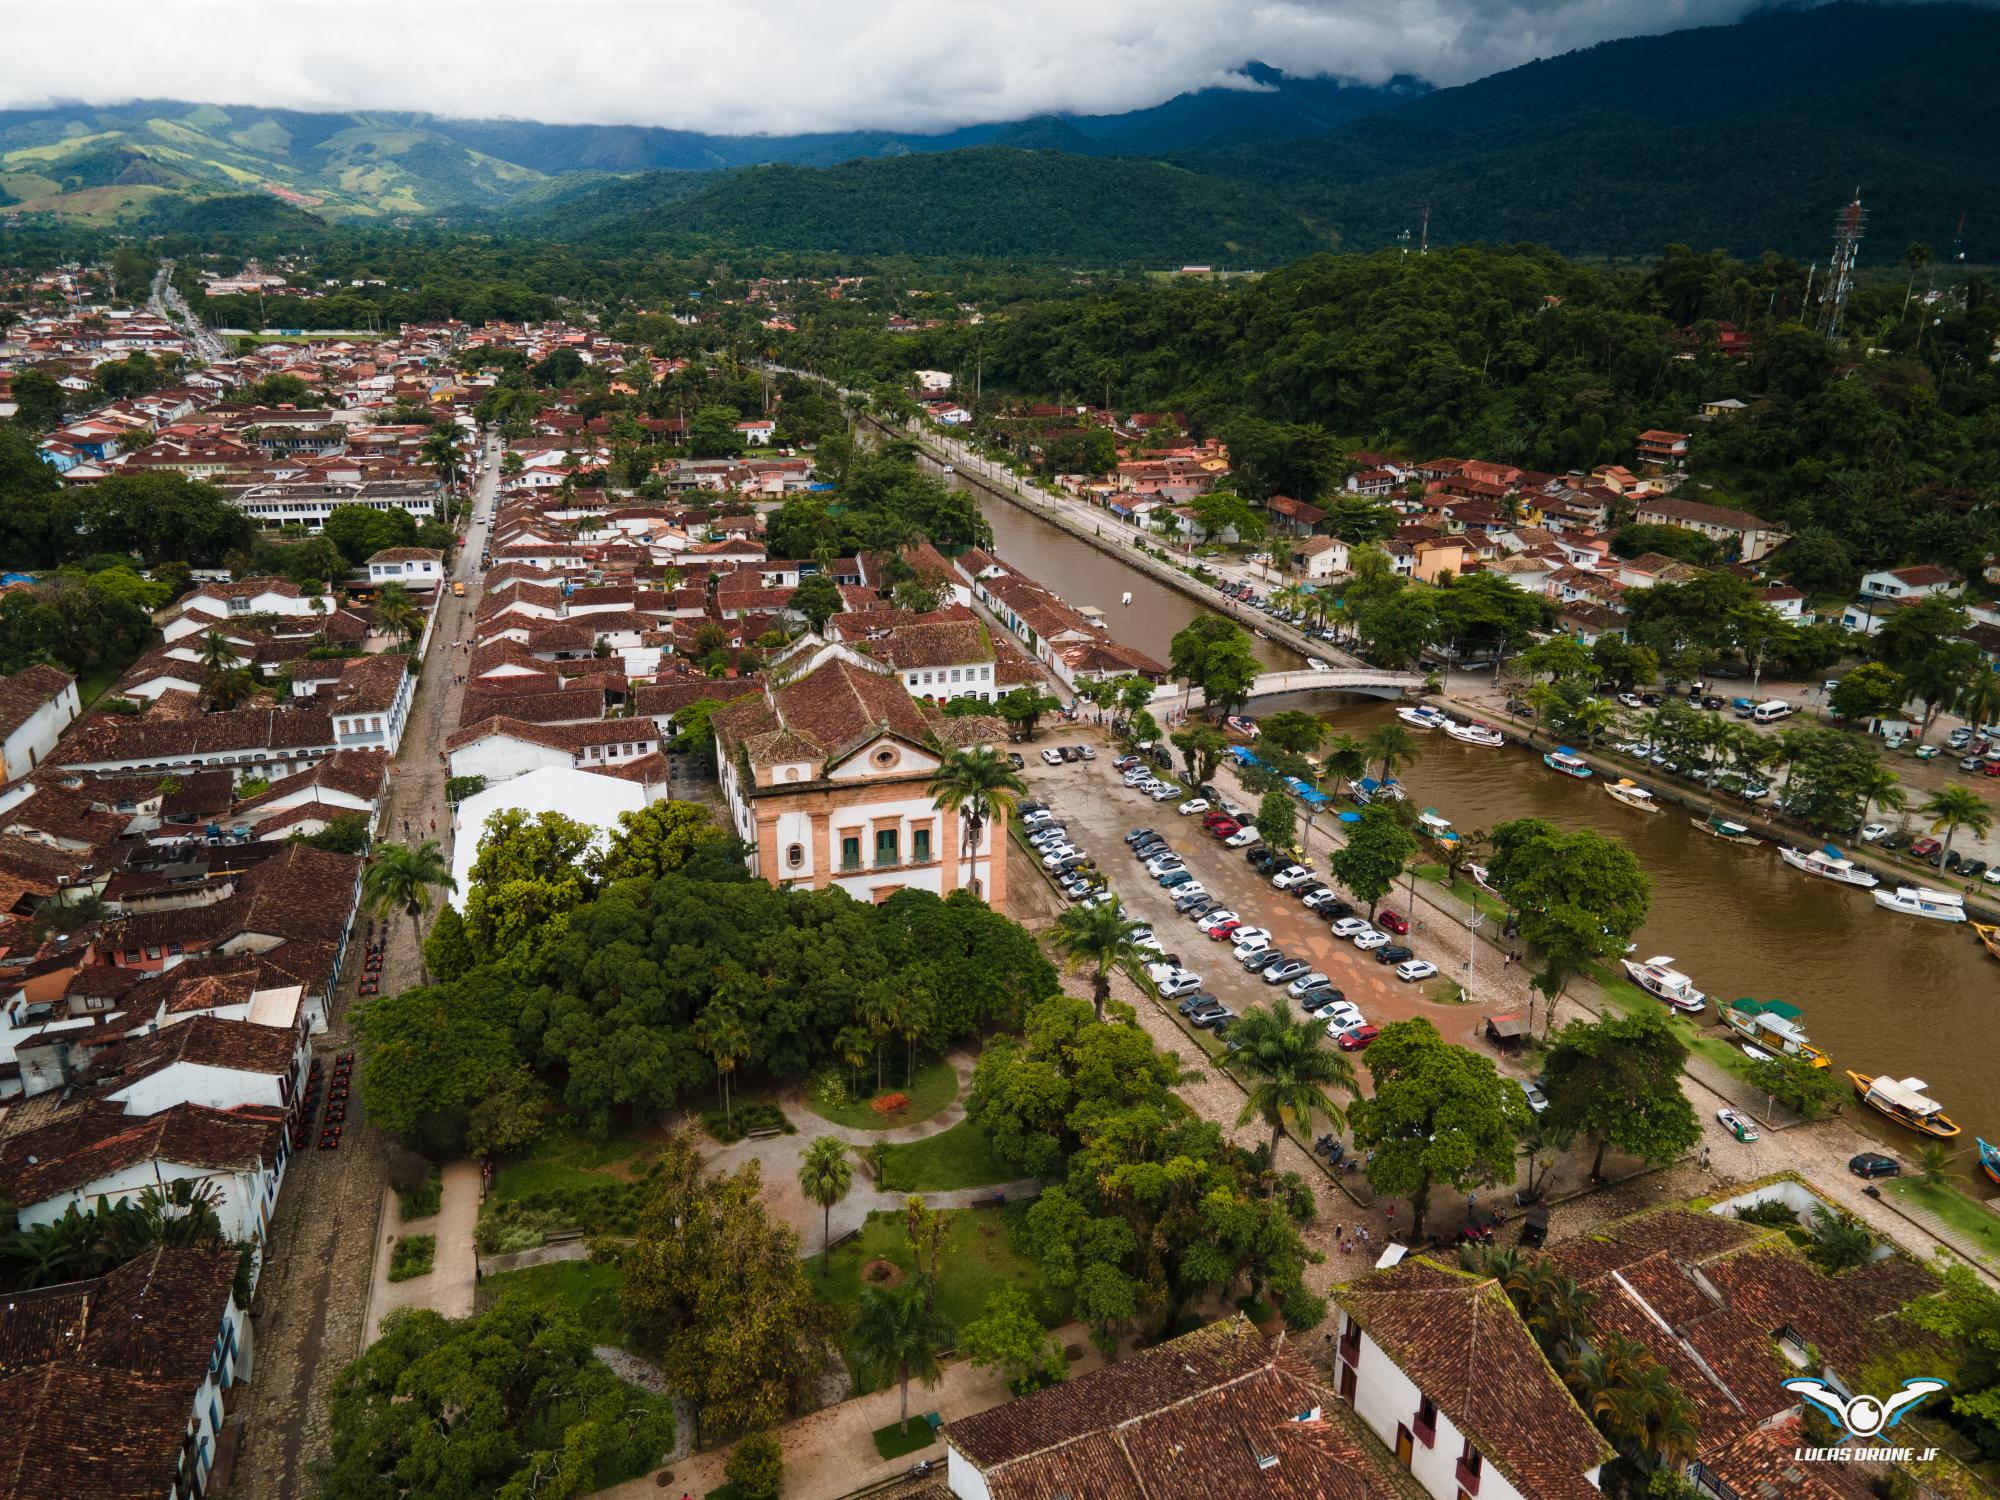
point(1851, 875)
point(1418, 718)
point(1466, 735)
point(1889, 901)
point(1691, 1001)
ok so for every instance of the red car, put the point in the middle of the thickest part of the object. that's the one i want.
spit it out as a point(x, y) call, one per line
point(1925, 849)
point(1221, 930)
point(1391, 920)
point(1359, 1037)
point(1225, 829)
point(1991, 768)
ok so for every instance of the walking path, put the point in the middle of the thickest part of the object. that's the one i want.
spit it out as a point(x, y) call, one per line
point(831, 1452)
point(453, 1277)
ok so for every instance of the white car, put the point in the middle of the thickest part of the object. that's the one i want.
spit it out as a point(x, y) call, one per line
point(1370, 940)
point(1317, 665)
point(1149, 944)
point(1340, 1026)
point(1209, 921)
point(1290, 876)
point(1192, 806)
point(1247, 934)
point(1052, 757)
point(1249, 946)
point(1306, 982)
point(1350, 927)
point(1164, 793)
point(1415, 969)
point(1242, 838)
point(1173, 981)
point(1873, 832)
point(1055, 856)
point(1341, 1013)
point(1321, 898)
point(1158, 867)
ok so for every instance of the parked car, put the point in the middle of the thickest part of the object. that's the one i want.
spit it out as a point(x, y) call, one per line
point(1393, 920)
point(1191, 896)
point(1290, 876)
point(1286, 972)
point(1350, 927)
point(1139, 836)
point(1164, 792)
point(1179, 982)
point(1258, 959)
point(1225, 932)
point(1216, 1019)
point(1225, 830)
point(1370, 940)
point(1196, 1001)
point(1261, 859)
point(1925, 848)
point(1259, 935)
point(1052, 757)
point(1087, 752)
point(1216, 918)
point(1192, 806)
point(1537, 1100)
point(1125, 763)
point(1355, 1040)
point(1335, 910)
point(1305, 890)
point(1973, 867)
point(1339, 1013)
point(1014, 759)
point(1393, 953)
point(1322, 898)
point(1319, 995)
point(1870, 832)
point(1874, 1164)
point(1305, 984)
point(1175, 878)
point(1414, 969)
point(1242, 838)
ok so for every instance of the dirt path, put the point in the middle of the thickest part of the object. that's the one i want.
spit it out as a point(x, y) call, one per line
point(312, 1298)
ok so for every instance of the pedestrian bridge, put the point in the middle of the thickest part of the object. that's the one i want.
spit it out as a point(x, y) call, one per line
point(1370, 680)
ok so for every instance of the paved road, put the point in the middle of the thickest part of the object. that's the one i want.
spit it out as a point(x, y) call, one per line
point(312, 1299)
point(165, 301)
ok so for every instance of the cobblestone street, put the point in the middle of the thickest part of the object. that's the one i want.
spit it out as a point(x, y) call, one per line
point(313, 1294)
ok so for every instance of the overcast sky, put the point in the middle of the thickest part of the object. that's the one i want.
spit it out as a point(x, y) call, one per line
point(781, 66)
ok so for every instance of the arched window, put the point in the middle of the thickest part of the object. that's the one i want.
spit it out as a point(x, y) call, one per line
point(795, 855)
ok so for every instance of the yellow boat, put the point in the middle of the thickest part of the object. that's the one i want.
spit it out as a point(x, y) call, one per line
point(1989, 937)
point(1904, 1101)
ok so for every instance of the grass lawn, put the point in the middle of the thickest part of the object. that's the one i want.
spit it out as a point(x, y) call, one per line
point(1628, 997)
point(892, 1442)
point(961, 1157)
point(978, 1259)
point(564, 1158)
point(412, 1257)
point(588, 1290)
point(935, 1086)
point(1971, 1219)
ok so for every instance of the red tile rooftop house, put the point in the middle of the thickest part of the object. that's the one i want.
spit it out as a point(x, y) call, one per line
point(1663, 450)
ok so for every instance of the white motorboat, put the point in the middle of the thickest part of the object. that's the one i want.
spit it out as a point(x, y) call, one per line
point(1423, 716)
point(1631, 794)
point(1127, 599)
point(1473, 732)
point(1659, 978)
point(1921, 901)
point(1829, 864)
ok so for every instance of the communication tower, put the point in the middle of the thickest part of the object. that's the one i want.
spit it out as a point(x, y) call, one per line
point(1848, 228)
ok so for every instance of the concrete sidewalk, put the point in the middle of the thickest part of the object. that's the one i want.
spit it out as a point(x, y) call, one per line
point(449, 1287)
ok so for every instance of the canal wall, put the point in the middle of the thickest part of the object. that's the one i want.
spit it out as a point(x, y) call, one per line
point(1120, 543)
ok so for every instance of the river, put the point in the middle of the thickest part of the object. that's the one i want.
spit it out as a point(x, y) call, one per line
point(1881, 993)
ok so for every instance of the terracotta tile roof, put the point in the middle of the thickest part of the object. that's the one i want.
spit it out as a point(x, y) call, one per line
point(569, 737)
point(25, 691)
point(1458, 1337)
point(406, 554)
point(1760, 1464)
point(1850, 1318)
point(356, 773)
point(664, 699)
point(940, 645)
point(157, 736)
point(90, 1143)
point(76, 1433)
point(1701, 514)
point(156, 1315)
point(562, 706)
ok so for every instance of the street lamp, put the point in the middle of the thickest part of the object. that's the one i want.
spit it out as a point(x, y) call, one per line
point(1473, 922)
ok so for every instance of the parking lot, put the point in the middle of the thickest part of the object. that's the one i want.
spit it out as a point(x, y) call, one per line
point(1099, 811)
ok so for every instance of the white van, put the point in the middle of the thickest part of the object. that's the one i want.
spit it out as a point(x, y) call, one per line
point(1771, 710)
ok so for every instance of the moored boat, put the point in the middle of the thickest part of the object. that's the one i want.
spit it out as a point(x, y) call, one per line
point(1659, 978)
point(1473, 732)
point(1904, 1101)
point(1432, 826)
point(1989, 937)
point(1718, 827)
point(1566, 762)
point(1630, 793)
point(1989, 1159)
point(1829, 864)
point(1922, 901)
point(1773, 1024)
point(1368, 789)
point(1422, 715)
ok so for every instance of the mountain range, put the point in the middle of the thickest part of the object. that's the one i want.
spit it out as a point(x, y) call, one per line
point(1746, 137)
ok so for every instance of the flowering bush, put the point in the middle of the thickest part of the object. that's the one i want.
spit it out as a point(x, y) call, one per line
point(889, 1104)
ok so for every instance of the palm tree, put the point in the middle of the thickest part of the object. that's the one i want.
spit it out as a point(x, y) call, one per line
point(897, 1334)
point(1460, 852)
point(978, 786)
point(400, 876)
point(1097, 938)
point(1392, 747)
point(230, 689)
point(1935, 1163)
point(215, 654)
point(1956, 807)
point(719, 1031)
point(1346, 759)
point(396, 614)
point(1881, 788)
point(1979, 703)
point(1591, 718)
point(1290, 1072)
point(825, 1175)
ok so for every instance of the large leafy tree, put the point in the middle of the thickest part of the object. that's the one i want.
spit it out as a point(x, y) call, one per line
point(1214, 654)
point(1578, 896)
point(360, 531)
point(431, 1054)
point(657, 840)
point(530, 873)
point(717, 1292)
point(1617, 1081)
point(512, 1403)
point(1373, 857)
point(1438, 1115)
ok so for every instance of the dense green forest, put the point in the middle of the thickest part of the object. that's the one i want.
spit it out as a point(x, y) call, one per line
point(1882, 447)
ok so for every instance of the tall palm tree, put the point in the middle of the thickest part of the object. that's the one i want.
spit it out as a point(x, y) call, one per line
point(1097, 939)
point(719, 1031)
point(1290, 1072)
point(1392, 747)
point(979, 786)
point(1979, 703)
point(1591, 718)
point(1956, 807)
point(897, 1335)
point(216, 654)
point(397, 615)
point(1880, 788)
point(1346, 759)
point(400, 876)
point(825, 1175)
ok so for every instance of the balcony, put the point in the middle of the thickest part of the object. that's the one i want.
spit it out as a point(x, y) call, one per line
point(1467, 1472)
point(1350, 1344)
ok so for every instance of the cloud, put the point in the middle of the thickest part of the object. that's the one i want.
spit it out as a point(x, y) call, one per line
point(776, 66)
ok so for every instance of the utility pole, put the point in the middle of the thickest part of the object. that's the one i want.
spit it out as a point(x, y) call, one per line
point(1848, 229)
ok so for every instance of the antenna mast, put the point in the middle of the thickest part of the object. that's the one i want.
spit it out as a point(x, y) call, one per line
point(1424, 245)
point(1848, 229)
